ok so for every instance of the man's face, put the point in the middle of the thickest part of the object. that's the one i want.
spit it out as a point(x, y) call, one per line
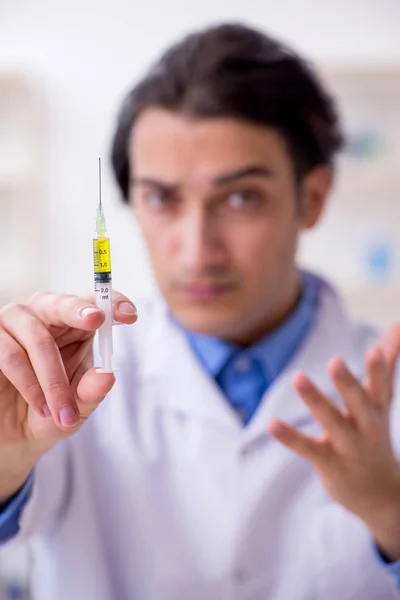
point(219, 208)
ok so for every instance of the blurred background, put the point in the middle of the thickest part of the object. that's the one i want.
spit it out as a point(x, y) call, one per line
point(64, 68)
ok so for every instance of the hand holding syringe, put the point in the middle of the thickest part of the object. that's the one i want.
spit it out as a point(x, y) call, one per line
point(52, 389)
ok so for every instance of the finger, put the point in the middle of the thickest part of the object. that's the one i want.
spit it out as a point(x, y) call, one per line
point(390, 346)
point(66, 310)
point(16, 367)
point(323, 409)
point(378, 382)
point(124, 309)
point(92, 389)
point(45, 358)
point(75, 355)
point(350, 390)
point(305, 446)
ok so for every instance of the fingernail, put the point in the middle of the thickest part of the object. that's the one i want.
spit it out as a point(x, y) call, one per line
point(88, 311)
point(46, 410)
point(305, 385)
point(341, 370)
point(376, 353)
point(125, 308)
point(68, 417)
point(276, 428)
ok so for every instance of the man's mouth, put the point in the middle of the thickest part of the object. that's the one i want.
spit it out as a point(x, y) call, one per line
point(201, 292)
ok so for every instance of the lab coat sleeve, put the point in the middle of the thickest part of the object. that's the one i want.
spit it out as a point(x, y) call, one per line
point(11, 511)
point(346, 564)
point(392, 567)
point(50, 493)
point(394, 570)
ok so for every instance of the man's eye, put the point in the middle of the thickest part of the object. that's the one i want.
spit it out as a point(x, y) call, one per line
point(244, 198)
point(156, 199)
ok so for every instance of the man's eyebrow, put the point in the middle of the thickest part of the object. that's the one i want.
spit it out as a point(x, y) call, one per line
point(247, 171)
point(152, 182)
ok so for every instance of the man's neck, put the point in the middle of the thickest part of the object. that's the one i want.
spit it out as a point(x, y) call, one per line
point(262, 329)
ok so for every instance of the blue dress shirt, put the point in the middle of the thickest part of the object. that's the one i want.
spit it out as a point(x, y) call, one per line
point(244, 374)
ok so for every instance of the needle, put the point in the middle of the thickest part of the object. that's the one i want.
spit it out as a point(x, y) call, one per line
point(100, 183)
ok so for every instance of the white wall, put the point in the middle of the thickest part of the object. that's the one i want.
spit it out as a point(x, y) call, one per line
point(84, 54)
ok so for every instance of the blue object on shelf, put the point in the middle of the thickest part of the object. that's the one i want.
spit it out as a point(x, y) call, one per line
point(380, 261)
point(365, 144)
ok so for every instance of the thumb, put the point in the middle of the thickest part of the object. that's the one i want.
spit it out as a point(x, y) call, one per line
point(390, 346)
point(92, 389)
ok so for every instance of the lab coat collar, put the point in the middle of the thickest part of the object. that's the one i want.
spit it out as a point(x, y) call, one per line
point(187, 388)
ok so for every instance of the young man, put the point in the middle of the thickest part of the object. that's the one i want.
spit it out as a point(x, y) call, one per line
point(244, 449)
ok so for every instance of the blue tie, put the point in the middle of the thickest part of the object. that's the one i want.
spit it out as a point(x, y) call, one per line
point(243, 381)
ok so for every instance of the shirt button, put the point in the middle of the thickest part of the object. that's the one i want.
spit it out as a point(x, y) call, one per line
point(243, 364)
point(245, 451)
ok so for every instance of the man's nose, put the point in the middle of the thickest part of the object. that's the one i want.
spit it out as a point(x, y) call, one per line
point(199, 246)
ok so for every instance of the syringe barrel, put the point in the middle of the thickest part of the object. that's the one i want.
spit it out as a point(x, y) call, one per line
point(103, 291)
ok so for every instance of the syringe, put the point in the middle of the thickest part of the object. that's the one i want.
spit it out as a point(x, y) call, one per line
point(103, 286)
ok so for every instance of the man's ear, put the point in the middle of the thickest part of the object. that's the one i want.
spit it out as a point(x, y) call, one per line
point(315, 190)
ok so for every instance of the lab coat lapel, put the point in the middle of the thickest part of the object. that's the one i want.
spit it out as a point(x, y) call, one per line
point(171, 367)
point(331, 335)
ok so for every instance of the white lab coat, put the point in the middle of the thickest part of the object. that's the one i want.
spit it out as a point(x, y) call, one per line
point(163, 495)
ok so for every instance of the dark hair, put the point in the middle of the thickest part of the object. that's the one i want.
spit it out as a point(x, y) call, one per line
point(234, 71)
